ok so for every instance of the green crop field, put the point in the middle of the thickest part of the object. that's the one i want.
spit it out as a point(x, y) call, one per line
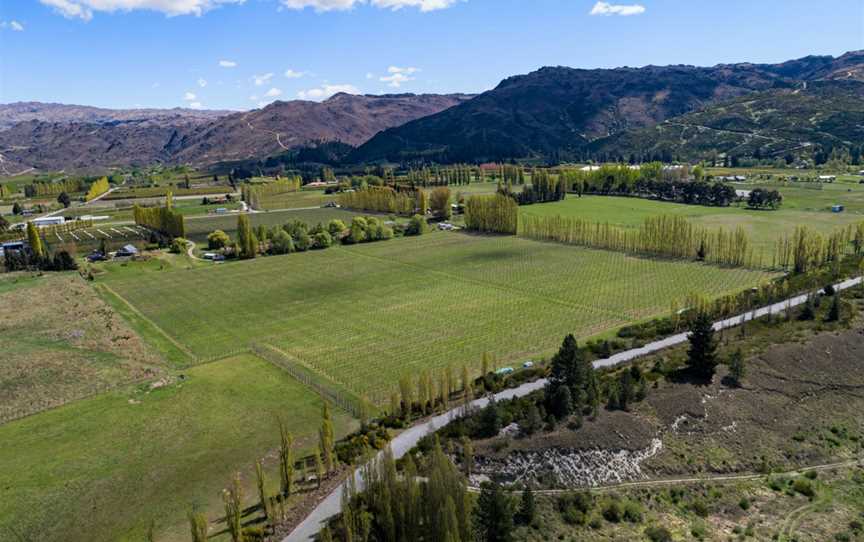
point(763, 227)
point(101, 469)
point(364, 315)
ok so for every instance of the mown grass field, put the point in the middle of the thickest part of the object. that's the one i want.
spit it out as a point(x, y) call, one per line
point(763, 227)
point(364, 315)
point(102, 468)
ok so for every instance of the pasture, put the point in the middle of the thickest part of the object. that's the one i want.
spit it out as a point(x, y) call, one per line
point(364, 315)
point(100, 469)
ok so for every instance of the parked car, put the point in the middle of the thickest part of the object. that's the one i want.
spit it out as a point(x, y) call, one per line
point(96, 256)
point(528, 365)
point(504, 371)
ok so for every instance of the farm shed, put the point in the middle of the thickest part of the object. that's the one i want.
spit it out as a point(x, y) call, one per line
point(48, 221)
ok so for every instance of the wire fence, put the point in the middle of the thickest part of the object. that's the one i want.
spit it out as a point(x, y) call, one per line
point(329, 390)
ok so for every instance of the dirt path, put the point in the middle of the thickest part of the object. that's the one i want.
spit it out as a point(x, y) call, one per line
point(720, 478)
point(404, 442)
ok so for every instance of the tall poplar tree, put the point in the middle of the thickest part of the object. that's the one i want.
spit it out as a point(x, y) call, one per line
point(35, 241)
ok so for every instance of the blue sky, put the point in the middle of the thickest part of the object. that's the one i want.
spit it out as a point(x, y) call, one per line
point(167, 53)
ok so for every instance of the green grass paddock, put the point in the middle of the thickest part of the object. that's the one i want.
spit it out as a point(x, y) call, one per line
point(101, 469)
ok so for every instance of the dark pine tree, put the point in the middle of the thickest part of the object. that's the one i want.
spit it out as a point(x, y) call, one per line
point(702, 355)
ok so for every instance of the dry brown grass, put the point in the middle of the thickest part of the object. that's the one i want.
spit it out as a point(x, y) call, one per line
point(61, 342)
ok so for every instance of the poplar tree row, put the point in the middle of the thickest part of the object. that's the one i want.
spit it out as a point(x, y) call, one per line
point(52, 188)
point(806, 249)
point(253, 193)
point(459, 174)
point(664, 235)
point(495, 213)
point(405, 508)
point(164, 220)
point(383, 199)
point(99, 187)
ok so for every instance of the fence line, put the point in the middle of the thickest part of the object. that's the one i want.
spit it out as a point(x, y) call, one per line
point(328, 389)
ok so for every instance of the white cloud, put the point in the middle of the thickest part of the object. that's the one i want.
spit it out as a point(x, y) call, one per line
point(370, 75)
point(84, 9)
point(189, 96)
point(398, 76)
point(16, 26)
point(261, 79)
point(202, 82)
point(227, 64)
point(273, 92)
point(291, 74)
point(325, 91)
point(155, 85)
point(253, 98)
point(196, 105)
point(605, 8)
point(342, 5)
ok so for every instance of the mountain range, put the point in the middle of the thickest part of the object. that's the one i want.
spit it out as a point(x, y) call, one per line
point(554, 113)
point(563, 112)
point(55, 137)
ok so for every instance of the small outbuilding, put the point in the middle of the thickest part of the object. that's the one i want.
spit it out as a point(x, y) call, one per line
point(127, 251)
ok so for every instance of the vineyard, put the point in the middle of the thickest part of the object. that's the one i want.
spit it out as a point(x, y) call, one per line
point(362, 316)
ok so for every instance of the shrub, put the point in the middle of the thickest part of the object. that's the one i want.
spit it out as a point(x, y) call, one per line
point(573, 516)
point(335, 227)
point(632, 512)
point(811, 474)
point(658, 534)
point(699, 508)
point(613, 511)
point(217, 239)
point(281, 243)
point(804, 487)
point(744, 503)
point(178, 245)
point(322, 240)
point(417, 226)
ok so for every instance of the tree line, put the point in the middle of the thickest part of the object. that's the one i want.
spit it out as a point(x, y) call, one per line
point(805, 249)
point(252, 193)
point(54, 188)
point(495, 213)
point(164, 220)
point(99, 187)
point(664, 235)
